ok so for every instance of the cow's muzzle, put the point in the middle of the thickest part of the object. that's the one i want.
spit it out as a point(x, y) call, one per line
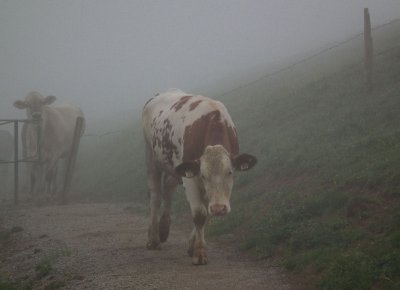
point(218, 209)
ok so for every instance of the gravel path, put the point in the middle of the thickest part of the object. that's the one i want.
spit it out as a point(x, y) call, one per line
point(102, 246)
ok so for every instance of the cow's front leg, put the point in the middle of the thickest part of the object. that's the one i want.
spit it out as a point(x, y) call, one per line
point(197, 243)
point(51, 178)
point(52, 181)
point(36, 179)
point(169, 186)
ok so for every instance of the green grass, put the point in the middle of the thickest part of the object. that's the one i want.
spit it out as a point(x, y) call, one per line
point(111, 168)
point(6, 284)
point(43, 268)
point(324, 196)
point(45, 265)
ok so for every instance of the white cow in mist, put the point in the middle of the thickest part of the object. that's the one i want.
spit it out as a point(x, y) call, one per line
point(56, 125)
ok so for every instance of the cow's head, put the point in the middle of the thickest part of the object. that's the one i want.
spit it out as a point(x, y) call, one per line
point(214, 172)
point(34, 103)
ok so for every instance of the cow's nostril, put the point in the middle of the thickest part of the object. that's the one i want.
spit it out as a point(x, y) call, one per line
point(219, 209)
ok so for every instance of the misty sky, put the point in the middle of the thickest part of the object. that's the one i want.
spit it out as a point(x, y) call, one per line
point(108, 57)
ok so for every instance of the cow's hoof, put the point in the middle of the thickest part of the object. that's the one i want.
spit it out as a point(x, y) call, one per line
point(153, 246)
point(199, 257)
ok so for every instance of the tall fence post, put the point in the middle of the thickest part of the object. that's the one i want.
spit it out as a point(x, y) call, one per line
point(71, 160)
point(368, 50)
point(16, 163)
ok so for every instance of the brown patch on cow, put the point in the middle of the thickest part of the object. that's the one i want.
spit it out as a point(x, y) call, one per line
point(163, 139)
point(210, 129)
point(194, 105)
point(179, 104)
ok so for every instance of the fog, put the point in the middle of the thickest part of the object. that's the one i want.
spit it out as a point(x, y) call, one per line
point(108, 57)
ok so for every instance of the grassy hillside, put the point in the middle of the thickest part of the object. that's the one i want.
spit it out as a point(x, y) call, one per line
point(110, 166)
point(324, 200)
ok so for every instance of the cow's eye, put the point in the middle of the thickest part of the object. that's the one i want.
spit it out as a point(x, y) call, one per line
point(230, 172)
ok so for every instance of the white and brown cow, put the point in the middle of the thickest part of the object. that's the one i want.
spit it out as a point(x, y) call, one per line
point(193, 139)
point(56, 126)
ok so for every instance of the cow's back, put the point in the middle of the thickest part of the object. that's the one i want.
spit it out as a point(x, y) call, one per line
point(157, 111)
point(178, 126)
point(57, 131)
point(63, 119)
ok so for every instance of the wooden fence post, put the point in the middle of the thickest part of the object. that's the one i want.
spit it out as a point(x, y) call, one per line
point(71, 160)
point(368, 50)
point(16, 170)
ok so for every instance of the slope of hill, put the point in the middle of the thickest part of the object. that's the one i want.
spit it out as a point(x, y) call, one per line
point(324, 199)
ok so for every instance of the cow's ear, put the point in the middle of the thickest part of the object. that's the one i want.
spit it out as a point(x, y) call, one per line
point(188, 169)
point(244, 162)
point(49, 100)
point(20, 104)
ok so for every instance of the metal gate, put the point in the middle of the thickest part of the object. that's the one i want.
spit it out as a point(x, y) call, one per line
point(38, 158)
point(17, 159)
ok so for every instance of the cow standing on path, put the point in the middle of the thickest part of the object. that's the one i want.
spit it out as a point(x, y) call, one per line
point(193, 139)
point(56, 127)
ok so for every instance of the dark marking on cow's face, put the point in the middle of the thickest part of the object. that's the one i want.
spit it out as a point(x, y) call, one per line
point(179, 104)
point(210, 129)
point(194, 105)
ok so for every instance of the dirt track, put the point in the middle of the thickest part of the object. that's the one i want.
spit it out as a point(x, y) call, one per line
point(102, 246)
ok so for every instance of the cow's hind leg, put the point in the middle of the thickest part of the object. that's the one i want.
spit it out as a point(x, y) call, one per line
point(169, 186)
point(32, 183)
point(154, 185)
point(154, 182)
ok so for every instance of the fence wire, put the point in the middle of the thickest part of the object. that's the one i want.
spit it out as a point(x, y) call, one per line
point(319, 53)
